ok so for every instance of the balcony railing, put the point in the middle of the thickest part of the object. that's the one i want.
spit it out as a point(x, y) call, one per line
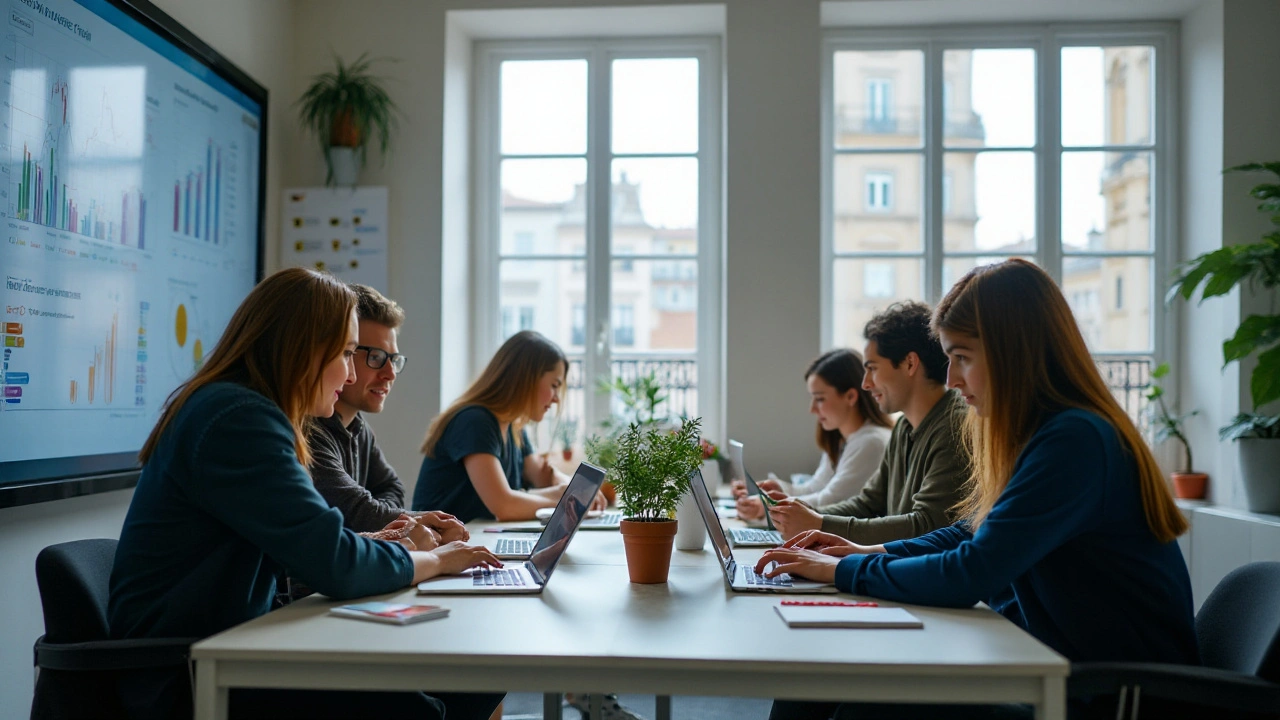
point(1128, 378)
point(897, 120)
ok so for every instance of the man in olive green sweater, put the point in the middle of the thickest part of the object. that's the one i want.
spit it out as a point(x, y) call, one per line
point(925, 463)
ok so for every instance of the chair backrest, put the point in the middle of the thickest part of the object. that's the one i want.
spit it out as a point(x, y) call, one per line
point(74, 579)
point(1238, 626)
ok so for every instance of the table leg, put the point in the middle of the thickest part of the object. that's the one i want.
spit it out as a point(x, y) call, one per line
point(211, 700)
point(597, 706)
point(551, 706)
point(1053, 705)
point(662, 707)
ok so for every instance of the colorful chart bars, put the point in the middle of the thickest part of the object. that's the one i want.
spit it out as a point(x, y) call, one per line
point(197, 199)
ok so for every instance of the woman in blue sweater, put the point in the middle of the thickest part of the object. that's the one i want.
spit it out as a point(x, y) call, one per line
point(1068, 528)
point(224, 506)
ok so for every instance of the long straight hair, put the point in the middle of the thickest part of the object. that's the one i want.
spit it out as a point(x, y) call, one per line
point(507, 387)
point(278, 342)
point(1037, 364)
point(842, 369)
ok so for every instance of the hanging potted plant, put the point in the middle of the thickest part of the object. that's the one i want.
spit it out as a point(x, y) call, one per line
point(650, 473)
point(344, 109)
point(1257, 265)
point(1187, 484)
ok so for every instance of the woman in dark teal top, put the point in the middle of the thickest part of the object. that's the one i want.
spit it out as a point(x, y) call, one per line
point(479, 462)
point(1068, 529)
point(224, 505)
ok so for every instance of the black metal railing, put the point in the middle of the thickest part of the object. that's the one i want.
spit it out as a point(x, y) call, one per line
point(1128, 378)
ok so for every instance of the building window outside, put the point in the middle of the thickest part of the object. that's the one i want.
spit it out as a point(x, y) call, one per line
point(1119, 293)
point(624, 325)
point(578, 326)
point(879, 101)
point(879, 192)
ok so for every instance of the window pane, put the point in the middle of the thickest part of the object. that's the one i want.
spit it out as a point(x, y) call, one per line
point(1106, 201)
point(993, 202)
point(655, 206)
point(543, 206)
point(544, 107)
point(654, 306)
point(954, 268)
point(879, 97)
point(865, 287)
point(877, 202)
point(676, 373)
point(990, 97)
point(1106, 95)
point(542, 295)
point(1111, 299)
point(655, 105)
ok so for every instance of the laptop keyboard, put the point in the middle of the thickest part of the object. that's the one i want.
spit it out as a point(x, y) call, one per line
point(507, 546)
point(755, 578)
point(609, 517)
point(501, 577)
point(752, 535)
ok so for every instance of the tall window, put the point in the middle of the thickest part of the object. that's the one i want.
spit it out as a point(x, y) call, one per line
point(1029, 143)
point(605, 153)
point(879, 191)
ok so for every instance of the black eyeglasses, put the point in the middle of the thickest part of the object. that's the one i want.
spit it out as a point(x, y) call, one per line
point(375, 358)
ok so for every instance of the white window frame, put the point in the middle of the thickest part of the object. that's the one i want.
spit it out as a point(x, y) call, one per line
point(486, 162)
point(1048, 42)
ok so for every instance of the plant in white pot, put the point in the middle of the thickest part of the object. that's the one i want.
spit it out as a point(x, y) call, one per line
point(344, 109)
point(1188, 483)
point(1256, 265)
point(650, 474)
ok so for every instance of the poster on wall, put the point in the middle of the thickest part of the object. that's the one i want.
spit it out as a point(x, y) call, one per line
point(339, 230)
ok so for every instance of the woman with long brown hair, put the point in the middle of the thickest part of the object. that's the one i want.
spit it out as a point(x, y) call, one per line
point(224, 505)
point(852, 432)
point(479, 461)
point(1067, 526)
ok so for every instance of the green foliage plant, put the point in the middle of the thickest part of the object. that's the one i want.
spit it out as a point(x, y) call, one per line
point(640, 397)
point(652, 467)
point(1167, 425)
point(346, 107)
point(1256, 265)
point(565, 432)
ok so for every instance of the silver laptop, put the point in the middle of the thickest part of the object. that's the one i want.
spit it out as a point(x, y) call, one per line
point(510, 549)
point(532, 575)
point(596, 519)
point(744, 578)
point(750, 537)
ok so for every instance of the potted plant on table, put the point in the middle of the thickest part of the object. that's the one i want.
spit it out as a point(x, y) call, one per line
point(1258, 266)
point(345, 108)
point(1187, 484)
point(650, 474)
point(566, 433)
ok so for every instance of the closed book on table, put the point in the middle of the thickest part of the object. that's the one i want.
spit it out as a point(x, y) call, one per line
point(392, 613)
point(838, 616)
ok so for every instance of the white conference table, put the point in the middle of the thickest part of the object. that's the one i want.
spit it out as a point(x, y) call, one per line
point(591, 630)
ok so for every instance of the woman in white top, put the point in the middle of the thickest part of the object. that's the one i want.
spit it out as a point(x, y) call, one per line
point(852, 434)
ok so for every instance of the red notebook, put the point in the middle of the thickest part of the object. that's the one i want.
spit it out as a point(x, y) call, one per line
point(393, 613)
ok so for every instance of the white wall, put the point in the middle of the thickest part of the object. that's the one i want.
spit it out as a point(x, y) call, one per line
point(1228, 118)
point(257, 36)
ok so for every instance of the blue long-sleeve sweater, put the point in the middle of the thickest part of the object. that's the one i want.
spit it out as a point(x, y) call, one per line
point(1065, 553)
point(222, 507)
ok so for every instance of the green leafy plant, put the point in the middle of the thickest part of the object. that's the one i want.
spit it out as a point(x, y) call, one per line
point(1167, 425)
point(566, 432)
point(1256, 265)
point(346, 107)
point(651, 470)
point(640, 397)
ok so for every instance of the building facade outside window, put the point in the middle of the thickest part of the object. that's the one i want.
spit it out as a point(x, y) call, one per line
point(597, 212)
point(1040, 143)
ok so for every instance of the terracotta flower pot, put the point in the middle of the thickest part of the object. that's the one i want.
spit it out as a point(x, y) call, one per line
point(567, 454)
point(648, 548)
point(610, 494)
point(1189, 486)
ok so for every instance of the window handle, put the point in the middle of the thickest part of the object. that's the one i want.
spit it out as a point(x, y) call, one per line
point(602, 338)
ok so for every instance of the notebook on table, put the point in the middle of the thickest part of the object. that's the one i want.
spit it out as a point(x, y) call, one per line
point(845, 616)
point(532, 575)
point(743, 578)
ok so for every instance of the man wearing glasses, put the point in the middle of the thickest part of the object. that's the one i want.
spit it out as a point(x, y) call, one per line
point(347, 466)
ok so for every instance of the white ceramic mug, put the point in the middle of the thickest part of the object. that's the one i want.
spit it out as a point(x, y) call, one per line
point(691, 529)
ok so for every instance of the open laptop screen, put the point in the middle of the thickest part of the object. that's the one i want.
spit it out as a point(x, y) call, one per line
point(707, 506)
point(569, 512)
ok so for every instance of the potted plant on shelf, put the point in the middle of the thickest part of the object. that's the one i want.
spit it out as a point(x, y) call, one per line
point(566, 433)
point(650, 473)
point(1258, 266)
point(345, 108)
point(1187, 484)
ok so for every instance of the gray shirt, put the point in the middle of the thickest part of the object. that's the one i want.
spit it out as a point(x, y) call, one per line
point(919, 481)
point(351, 473)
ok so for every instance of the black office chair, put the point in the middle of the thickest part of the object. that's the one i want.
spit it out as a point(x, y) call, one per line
point(78, 663)
point(1238, 629)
